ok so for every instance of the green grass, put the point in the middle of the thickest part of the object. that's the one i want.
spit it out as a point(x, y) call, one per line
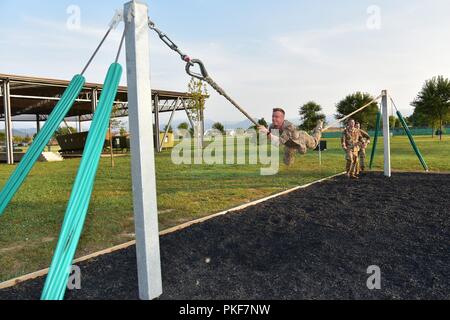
point(30, 226)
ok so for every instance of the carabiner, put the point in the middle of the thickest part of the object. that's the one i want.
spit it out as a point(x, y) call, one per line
point(203, 75)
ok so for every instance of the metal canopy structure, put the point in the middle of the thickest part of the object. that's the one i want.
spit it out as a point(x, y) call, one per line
point(32, 99)
point(32, 96)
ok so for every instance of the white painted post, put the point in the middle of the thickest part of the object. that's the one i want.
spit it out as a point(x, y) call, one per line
point(386, 135)
point(142, 150)
point(8, 123)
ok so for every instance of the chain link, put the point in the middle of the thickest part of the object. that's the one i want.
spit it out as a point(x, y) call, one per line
point(203, 75)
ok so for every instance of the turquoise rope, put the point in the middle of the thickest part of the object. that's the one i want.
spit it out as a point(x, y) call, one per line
point(40, 141)
point(56, 282)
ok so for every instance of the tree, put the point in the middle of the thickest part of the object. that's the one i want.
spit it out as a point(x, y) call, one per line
point(394, 122)
point(433, 102)
point(355, 101)
point(114, 122)
point(63, 131)
point(310, 114)
point(183, 126)
point(198, 94)
point(261, 122)
point(17, 139)
point(219, 127)
point(170, 129)
point(123, 132)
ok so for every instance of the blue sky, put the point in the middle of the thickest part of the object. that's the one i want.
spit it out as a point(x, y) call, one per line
point(265, 53)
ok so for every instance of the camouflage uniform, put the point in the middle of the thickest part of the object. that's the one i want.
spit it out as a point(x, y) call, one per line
point(295, 140)
point(362, 151)
point(353, 140)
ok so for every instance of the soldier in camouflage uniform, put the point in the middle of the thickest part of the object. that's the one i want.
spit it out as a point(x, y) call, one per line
point(362, 151)
point(293, 139)
point(352, 140)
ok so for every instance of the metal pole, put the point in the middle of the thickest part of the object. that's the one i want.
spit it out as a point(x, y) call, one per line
point(375, 140)
point(8, 123)
point(38, 124)
point(320, 153)
point(168, 125)
point(187, 113)
point(411, 140)
point(157, 133)
point(202, 127)
point(94, 99)
point(386, 135)
point(142, 150)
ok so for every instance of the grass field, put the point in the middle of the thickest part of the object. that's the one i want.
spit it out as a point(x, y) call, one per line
point(30, 226)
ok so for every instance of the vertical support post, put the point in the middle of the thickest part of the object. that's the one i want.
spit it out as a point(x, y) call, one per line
point(187, 113)
point(8, 123)
point(157, 133)
point(142, 150)
point(375, 139)
point(202, 127)
point(94, 99)
point(79, 124)
point(38, 124)
point(386, 135)
point(166, 132)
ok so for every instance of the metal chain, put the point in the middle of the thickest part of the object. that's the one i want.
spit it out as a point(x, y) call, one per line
point(204, 76)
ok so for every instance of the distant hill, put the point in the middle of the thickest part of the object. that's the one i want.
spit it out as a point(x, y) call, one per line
point(22, 132)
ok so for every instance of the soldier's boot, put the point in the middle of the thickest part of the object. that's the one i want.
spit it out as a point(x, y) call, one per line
point(355, 166)
point(362, 165)
point(348, 167)
point(289, 155)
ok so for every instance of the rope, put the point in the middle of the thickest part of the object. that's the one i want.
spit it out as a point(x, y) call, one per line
point(97, 49)
point(201, 76)
point(222, 92)
point(353, 113)
point(120, 46)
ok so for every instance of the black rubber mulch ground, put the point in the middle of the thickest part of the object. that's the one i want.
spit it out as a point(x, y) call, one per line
point(315, 243)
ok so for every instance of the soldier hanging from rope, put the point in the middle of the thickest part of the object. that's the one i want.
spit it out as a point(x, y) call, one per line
point(293, 139)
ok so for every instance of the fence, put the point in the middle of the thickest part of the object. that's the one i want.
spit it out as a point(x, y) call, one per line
point(395, 132)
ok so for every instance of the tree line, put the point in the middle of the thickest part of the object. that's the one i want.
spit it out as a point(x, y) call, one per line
point(431, 108)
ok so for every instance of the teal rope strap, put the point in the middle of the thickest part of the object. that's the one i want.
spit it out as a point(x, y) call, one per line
point(411, 140)
point(40, 141)
point(56, 282)
point(375, 140)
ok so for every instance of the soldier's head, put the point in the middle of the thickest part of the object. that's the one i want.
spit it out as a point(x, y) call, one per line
point(357, 125)
point(278, 117)
point(351, 124)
